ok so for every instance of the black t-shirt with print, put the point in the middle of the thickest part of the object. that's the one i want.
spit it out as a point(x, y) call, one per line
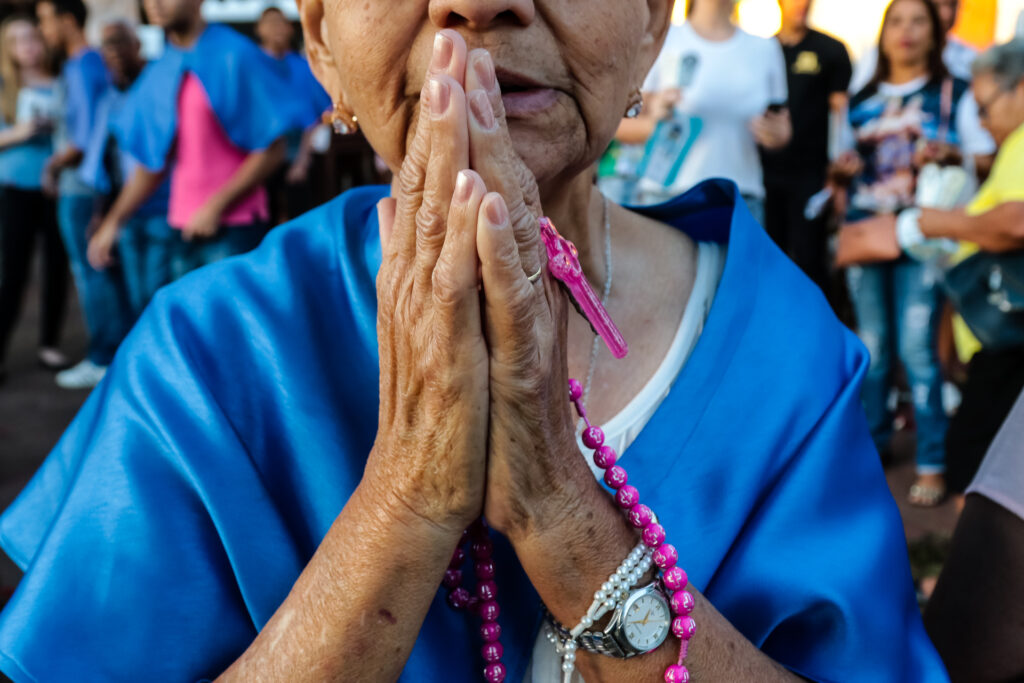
point(816, 67)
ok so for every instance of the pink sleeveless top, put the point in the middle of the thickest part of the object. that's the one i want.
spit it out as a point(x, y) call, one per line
point(207, 159)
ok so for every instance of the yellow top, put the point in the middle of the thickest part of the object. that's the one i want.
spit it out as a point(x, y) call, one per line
point(1005, 184)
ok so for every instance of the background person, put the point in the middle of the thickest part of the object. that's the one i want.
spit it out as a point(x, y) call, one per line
point(84, 80)
point(911, 114)
point(144, 247)
point(956, 55)
point(818, 73)
point(289, 188)
point(224, 140)
point(971, 616)
point(734, 102)
point(28, 216)
point(992, 222)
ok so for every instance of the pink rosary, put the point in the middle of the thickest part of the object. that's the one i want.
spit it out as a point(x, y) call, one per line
point(564, 265)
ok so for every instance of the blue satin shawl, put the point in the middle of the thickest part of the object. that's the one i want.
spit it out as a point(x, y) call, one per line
point(181, 505)
point(249, 92)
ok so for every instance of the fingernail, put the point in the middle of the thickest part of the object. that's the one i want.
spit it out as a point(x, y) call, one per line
point(444, 48)
point(480, 105)
point(484, 69)
point(463, 187)
point(496, 213)
point(440, 96)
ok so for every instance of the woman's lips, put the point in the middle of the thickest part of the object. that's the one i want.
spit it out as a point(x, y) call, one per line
point(528, 102)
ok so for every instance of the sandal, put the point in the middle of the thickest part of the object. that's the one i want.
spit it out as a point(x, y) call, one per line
point(926, 496)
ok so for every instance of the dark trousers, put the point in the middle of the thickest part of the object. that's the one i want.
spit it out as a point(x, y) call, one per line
point(994, 381)
point(804, 241)
point(28, 218)
point(288, 200)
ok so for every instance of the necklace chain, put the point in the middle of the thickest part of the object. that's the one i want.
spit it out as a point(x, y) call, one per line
point(608, 270)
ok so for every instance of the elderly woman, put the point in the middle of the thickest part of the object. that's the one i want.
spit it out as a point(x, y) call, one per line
point(272, 481)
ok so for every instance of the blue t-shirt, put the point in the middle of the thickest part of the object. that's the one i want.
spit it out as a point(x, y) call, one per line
point(84, 80)
point(303, 86)
point(21, 166)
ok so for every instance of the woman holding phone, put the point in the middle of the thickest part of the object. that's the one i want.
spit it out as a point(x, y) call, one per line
point(729, 93)
point(27, 215)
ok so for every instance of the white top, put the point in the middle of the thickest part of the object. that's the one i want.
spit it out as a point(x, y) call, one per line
point(735, 81)
point(957, 56)
point(623, 429)
point(1001, 476)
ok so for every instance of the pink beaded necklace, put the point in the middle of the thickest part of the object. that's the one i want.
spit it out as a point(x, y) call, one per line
point(564, 265)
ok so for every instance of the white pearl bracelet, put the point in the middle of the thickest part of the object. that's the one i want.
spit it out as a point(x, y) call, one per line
point(611, 595)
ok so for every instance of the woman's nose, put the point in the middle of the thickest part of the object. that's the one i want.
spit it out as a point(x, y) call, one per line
point(479, 15)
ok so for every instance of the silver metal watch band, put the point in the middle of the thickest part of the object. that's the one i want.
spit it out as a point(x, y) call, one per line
point(597, 642)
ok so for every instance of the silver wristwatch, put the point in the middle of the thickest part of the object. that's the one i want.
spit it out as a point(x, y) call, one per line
point(640, 624)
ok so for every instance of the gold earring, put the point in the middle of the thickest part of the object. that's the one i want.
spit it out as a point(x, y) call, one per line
point(636, 104)
point(343, 122)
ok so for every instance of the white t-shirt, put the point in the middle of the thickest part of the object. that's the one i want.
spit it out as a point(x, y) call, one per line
point(545, 665)
point(1001, 476)
point(957, 56)
point(735, 81)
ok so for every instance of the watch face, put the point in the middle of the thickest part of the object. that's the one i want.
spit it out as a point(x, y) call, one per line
point(647, 621)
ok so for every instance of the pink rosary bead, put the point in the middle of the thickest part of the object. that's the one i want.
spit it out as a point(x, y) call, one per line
point(627, 497)
point(677, 673)
point(682, 603)
point(665, 555)
point(484, 604)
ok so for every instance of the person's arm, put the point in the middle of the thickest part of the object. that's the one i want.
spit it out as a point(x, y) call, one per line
point(357, 608)
point(18, 134)
point(69, 157)
point(998, 230)
point(972, 617)
point(657, 107)
point(298, 171)
point(256, 168)
point(140, 187)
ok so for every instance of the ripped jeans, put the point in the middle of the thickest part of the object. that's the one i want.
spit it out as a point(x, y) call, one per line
point(899, 306)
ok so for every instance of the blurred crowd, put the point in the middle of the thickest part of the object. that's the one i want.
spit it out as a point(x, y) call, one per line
point(895, 184)
point(129, 175)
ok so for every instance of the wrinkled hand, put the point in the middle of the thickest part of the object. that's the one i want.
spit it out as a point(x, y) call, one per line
point(101, 245)
point(430, 455)
point(531, 436)
point(204, 224)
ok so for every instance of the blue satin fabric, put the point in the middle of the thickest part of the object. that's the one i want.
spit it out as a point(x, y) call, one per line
point(249, 92)
point(180, 507)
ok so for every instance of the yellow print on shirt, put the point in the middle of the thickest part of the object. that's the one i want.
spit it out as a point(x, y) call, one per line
point(807, 63)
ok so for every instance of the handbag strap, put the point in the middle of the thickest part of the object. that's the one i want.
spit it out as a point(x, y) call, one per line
point(945, 109)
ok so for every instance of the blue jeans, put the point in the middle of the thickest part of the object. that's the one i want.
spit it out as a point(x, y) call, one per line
point(145, 246)
point(101, 292)
point(229, 241)
point(898, 307)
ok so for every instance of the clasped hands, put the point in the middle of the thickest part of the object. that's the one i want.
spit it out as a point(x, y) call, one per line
point(474, 411)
